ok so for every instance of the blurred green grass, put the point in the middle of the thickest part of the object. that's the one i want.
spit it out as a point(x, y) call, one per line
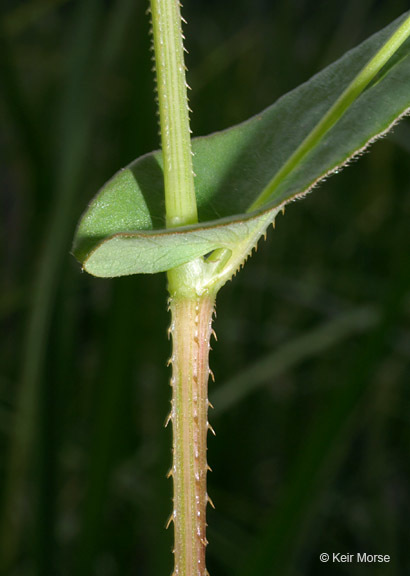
point(310, 458)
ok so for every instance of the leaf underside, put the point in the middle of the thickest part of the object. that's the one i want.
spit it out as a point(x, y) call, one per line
point(123, 229)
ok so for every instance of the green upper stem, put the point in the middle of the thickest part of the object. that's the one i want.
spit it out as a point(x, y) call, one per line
point(180, 200)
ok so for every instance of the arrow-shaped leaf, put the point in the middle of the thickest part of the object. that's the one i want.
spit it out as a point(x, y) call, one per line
point(246, 174)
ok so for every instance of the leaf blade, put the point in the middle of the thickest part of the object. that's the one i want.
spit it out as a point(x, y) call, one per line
point(236, 166)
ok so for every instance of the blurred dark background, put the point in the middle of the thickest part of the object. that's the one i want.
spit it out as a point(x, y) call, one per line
point(312, 368)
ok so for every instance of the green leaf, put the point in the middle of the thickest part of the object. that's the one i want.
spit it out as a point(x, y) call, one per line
point(246, 174)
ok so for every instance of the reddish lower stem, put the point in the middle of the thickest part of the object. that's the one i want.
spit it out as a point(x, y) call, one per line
point(191, 330)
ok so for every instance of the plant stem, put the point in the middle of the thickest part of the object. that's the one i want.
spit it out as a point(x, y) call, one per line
point(180, 198)
point(191, 307)
point(191, 329)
